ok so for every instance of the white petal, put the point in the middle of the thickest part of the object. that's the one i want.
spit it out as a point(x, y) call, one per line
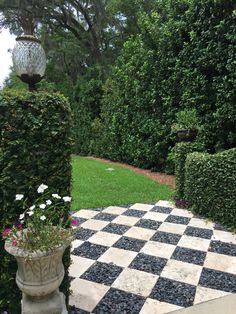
point(19, 197)
point(42, 206)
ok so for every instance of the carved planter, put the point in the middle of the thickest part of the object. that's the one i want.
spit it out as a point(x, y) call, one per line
point(39, 278)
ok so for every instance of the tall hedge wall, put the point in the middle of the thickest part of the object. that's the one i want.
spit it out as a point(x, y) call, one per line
point(35, 148)
point(183, 57)
point(210, 187)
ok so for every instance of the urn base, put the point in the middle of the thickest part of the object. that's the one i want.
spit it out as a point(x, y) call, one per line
point(52, 304)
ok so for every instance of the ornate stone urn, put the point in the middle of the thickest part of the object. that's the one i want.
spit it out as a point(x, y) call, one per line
point(39, 277)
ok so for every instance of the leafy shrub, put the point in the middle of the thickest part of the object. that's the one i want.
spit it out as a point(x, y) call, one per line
point(186, 119)
point(35, 148)
point(181, 152)
point(210, 187)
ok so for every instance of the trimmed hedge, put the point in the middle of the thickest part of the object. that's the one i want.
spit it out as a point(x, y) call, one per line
point(181, 151)
point(210, 187)
point(35, 148)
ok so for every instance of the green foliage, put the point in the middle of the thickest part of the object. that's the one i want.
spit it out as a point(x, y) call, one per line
point(210, 185)
point(35, 147)
point(186, 119)
point(183, 58)
point(181, 152)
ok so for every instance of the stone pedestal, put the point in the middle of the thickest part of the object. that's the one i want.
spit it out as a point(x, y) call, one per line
point(51, 304)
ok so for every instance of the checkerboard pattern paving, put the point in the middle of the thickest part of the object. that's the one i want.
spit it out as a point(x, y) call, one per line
point(148, 259)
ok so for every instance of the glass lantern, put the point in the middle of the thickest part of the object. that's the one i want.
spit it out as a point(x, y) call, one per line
point(29, 59)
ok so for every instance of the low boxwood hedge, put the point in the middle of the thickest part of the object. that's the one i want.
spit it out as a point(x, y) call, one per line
point(210, 185)
point(35, 148)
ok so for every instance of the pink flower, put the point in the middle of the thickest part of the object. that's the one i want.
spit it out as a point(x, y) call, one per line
point(14, 242)
point(6, 231)
point(73, 222)
point(19, 226)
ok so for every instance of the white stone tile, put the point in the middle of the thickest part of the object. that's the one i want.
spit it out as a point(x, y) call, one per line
point(221, 262)
point(158, 249)
point(140, 233)
point(180, 271)
point(172, 228)
point(224, 236)
point(201, 223)
point(155, 216)
point(118, 257)
point(156, 307)
point(85, 213)
point(104, 238)
point(144, 207)
point(206, 294)
point(79, 265)
point(126, 220)
point(86, 294)
point(164, 204)
point(135, 281)
point(181, 212)
point(115, 210)
point(75, 244)
point(94, 224)
point(194, 243)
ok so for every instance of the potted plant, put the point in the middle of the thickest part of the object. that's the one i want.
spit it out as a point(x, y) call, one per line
point(38, 243)
point(186, 125)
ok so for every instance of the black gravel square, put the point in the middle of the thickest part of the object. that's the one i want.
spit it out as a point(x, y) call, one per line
point(163, 210)
point(223, 248)
point(134, 213)
point(84, 234)
point(148, 223)
point(130, 244)
point(166, 237)
point(198, 232)
point(102, 273)
point(90, 250)
point(105, 217)
point(189, 255)
point(75, 310)
point(178, 219)
point(116, 228)
point(148, 263)
point(174, 292)
point(79, 221)
point(219, 280)
point(119, 302)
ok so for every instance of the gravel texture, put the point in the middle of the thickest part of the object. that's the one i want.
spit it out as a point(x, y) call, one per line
point(198, 232)
point(130, 244)
point(90, 250)
point(215, 279)
point(116, 228)
point(166, 237)
point(178, 219)
point(102, 273)
point(148, 263)
point(163, 210)
point(84, 234)
point(79, 221)
point(220, 227)
point(148, 223)
point(223, 248)
point(119, 302)
point(174, 292)
point(134, 213)
point(189, 255)
point(105, 217)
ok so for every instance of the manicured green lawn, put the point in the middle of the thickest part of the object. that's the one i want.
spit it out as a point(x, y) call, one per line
point(94, 186)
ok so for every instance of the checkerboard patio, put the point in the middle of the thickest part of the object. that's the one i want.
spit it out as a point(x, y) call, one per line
point(148, 259)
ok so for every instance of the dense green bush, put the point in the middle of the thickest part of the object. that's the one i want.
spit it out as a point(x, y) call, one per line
point(181, 152)
point(210, 188)
point(183, 58)
point(35, 148)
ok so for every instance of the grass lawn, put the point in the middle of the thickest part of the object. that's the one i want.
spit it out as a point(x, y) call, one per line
point(94, 186)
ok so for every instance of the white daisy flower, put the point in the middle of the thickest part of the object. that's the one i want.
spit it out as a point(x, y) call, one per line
point(42, 188)
point(48, 202)
point(32, 207)
point(30, 213)
point(42, 206)
point(66, 199)
point(56, 196)
point(22, 216)
point(42, 218)
point(19, 197)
